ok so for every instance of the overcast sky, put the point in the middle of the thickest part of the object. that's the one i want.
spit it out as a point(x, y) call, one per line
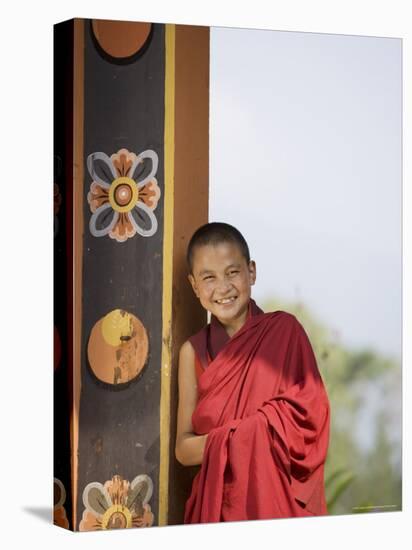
point(305, 159)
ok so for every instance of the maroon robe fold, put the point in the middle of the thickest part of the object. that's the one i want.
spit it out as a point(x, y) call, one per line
point(263, 403)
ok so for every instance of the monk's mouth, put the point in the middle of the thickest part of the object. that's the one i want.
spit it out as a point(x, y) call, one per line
point(231, 301)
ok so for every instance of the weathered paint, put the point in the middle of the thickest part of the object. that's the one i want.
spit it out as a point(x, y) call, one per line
point(118, 347)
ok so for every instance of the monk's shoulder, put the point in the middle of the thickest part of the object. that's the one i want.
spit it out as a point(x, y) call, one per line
point(187, 350)
point(187, 361)
point(284, 317)
point(285, 320)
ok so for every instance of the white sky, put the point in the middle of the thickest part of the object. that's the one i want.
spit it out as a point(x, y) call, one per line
point(305, 159)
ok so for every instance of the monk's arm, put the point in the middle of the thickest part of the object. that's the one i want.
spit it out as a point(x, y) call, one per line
point(190, 450)
point(189, 447)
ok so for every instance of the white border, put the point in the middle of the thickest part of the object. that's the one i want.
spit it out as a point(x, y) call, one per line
point(26, 458)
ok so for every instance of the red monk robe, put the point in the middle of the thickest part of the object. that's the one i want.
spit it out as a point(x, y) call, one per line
point(263, 403)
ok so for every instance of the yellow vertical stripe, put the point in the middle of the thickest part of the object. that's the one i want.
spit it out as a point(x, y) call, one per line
point(78, 146)
point(169, 130)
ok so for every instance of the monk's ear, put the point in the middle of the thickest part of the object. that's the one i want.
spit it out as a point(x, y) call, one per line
point(252, 272)
point(193, 283)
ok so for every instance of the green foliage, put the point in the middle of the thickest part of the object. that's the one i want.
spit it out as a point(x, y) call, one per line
point(358, 477)
point(335, 485)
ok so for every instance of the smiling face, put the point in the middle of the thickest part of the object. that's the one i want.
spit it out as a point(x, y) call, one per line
point(222, 280)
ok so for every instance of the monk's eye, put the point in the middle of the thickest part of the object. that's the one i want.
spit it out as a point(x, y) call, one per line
point(208, 278)
point(233, 272)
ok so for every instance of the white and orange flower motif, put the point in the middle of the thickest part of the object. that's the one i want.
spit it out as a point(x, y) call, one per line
point(118, 504)
point(123, 194)
point(59, 512)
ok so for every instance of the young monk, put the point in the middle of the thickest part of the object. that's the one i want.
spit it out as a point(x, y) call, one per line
point(253, 409)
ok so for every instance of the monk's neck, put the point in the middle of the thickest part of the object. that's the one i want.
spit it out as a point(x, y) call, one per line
point(231, 331)
point(232, 328)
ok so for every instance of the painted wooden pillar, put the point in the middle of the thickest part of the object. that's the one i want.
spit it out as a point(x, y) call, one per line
point(131, 134)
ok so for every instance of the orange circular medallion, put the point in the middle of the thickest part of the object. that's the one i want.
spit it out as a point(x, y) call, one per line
point(120, 39)
point(118, 347)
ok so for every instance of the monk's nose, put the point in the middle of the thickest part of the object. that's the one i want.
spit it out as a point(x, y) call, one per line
point(223, 288)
